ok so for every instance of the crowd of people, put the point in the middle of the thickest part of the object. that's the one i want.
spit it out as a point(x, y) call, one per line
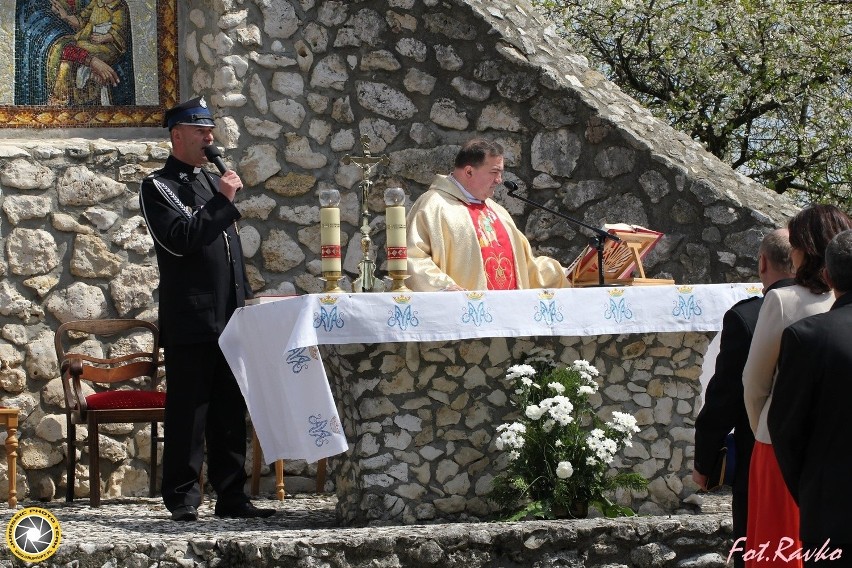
point(776, 376)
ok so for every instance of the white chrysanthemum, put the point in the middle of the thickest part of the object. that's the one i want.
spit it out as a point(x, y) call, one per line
point(559, 408)
point(624, 423)
point(564, 470)
point(526, 381)
point(519, 371)
point(586, 389)
point(584, 368)
point(514, 454)
point(558, 387)
point(534, 412)
point(604, 448)
point(558, 443)
point(548, 425)
point(511, 436)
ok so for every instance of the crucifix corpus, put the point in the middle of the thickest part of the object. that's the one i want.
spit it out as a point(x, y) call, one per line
point(366, 281)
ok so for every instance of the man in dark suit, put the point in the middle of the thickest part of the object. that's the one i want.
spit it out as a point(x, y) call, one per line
point(809, 416)
point(191, 216)
point(724, 409)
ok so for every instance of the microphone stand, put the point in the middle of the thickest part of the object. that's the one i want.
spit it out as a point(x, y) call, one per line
point(597, 241)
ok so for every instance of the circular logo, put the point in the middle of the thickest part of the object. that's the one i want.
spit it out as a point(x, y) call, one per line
point(33, 534)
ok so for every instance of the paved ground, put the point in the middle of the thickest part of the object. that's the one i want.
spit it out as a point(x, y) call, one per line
point(125, 521)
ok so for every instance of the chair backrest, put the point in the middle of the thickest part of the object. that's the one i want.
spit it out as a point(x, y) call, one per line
point(124, 368)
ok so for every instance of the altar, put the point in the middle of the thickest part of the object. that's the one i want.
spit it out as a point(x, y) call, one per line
point(416, 391)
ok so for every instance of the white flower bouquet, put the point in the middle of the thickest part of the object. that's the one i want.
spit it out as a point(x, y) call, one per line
point(560, 451)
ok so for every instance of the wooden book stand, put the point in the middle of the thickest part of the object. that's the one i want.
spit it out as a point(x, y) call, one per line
point(620, 260)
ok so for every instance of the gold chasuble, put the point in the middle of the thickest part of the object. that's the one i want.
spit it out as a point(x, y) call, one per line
point(444, 249)
point(498, 259)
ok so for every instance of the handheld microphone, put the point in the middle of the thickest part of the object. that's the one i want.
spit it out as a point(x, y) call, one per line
point(214, 156)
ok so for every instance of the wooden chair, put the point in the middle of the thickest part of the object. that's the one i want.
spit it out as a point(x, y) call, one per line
point(131, 393)
point(9, 418)
point(257, 457)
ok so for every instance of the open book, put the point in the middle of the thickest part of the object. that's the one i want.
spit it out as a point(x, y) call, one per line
point(620, 260)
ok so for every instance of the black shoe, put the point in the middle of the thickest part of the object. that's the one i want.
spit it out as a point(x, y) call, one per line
point(185, 513)
point(244, 511)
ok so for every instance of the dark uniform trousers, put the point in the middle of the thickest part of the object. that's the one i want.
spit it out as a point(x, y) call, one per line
point(203, 401)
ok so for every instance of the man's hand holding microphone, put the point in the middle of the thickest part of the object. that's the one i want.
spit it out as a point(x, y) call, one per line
point(230, 183)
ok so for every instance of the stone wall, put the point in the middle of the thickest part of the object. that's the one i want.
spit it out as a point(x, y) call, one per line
point(294, 86)
point(421, 420)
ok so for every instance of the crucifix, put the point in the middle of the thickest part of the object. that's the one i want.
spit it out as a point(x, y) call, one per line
point(367, 281)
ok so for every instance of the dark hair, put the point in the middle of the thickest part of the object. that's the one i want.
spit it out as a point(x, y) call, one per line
point(838, 261)
point(810, 232)
point(775, 248)
point(474, 152)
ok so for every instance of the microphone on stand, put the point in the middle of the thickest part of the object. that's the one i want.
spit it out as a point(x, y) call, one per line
point(214, 156)
point(597, 241)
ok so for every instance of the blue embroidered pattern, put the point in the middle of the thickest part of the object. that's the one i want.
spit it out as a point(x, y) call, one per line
point(403, 316)
point(328, 318)
point(548, 312)
point(319, 430)
point(476, 313)
point(686, 306)
point(298, 360)
point(618, 309)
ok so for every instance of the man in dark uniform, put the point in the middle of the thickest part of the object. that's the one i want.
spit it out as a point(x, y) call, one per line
point(724, 409)
point(809, 421)
point(192, 218)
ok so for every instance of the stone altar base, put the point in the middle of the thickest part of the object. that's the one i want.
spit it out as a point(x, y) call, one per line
point(421, 418)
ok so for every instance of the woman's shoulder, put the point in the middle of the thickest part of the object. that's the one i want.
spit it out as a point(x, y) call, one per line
point(796, 301)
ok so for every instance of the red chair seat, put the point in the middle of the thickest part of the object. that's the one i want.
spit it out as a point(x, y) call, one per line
point(112, 400)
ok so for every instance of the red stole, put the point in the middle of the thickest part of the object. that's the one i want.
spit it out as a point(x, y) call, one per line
point(498, 258)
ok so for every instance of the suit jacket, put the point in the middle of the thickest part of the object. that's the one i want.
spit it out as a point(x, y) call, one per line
point(443, 249)
point(723, 408)
point(809, 421)
point(780, 308)
point(202, 272)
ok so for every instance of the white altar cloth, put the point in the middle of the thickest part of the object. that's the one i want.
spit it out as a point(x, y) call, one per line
point(271, 346)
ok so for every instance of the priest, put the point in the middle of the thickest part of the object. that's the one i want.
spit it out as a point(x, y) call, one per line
point(459, 238)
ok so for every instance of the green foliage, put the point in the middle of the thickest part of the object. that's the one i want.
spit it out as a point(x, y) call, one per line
point(765, 86)
point(560, 450)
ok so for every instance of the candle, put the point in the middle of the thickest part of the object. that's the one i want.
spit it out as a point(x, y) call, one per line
point(330, 230)
point(397, 249)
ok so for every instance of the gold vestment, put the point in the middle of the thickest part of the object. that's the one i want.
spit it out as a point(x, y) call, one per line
point(443, 249)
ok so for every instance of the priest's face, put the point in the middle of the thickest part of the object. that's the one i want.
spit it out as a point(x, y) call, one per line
point(482, 180)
